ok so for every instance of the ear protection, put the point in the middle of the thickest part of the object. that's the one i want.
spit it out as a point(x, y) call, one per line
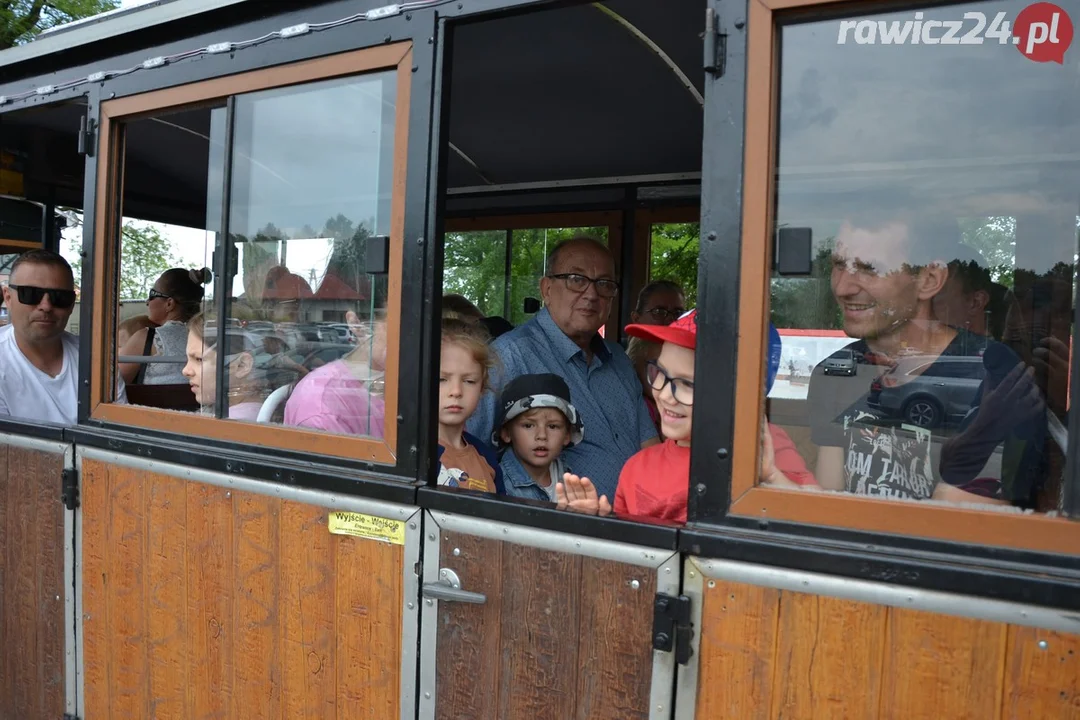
point(773, 358)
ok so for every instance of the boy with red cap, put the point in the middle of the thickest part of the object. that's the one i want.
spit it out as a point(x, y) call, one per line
point(654, 482)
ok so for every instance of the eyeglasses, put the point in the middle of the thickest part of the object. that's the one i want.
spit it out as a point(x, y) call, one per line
point(681, 390)
point(580, 283)
point(155, 294)
point(663, 313)
point(30, 295)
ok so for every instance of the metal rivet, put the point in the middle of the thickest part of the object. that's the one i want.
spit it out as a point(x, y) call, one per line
point(712, 583)
point(635, 584)
point(1043, 644)
point(711, 236)
point(412, 526)
point(431, 537)
point(427, 695)
point(722, 453)
point(457, 551)
point(57, 597)
point(429, 602)
point(701, 488)
point(506, 530)
point(410, 606)
point(228, 494)
point(667, 571)
point(692, 574)
point(740, 24)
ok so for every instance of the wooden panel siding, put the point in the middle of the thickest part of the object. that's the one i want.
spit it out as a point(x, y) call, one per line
point(32, 620)
point(204, 602)
point(560, 637)
point(773, 654)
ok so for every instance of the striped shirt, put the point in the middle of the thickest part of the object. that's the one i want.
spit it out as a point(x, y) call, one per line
point(605, 391)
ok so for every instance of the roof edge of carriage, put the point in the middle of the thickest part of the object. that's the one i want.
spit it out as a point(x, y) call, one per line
point(107, 26)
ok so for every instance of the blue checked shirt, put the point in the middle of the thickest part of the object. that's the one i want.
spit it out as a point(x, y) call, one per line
point(606, 392)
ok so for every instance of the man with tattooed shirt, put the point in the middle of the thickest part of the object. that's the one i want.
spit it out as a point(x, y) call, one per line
point(885, 273)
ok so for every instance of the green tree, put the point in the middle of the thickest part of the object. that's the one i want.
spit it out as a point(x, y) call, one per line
point(674, 256)
point(995, 239)
point(21, 20)
point(807, 302)
point(144, 255)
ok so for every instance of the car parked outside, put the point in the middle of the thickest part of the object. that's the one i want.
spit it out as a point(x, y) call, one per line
point(928, 391)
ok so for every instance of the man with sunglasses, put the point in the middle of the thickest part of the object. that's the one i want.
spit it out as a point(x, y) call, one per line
point(563, 339)
point(39, 359)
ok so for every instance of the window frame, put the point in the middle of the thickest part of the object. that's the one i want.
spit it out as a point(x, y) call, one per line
point(113, 113)
point(746, 501)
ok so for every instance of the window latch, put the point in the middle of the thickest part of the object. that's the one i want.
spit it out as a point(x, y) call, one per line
point(69, 488)
point(672, 629)
point(87, 135)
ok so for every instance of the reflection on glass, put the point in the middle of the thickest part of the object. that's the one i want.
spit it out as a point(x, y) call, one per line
point(171, 201)
point(312, 171)
point(926, 355)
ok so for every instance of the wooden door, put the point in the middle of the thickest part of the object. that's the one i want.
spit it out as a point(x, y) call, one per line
point(211, 595)
point(526, 623)
point(37, 666)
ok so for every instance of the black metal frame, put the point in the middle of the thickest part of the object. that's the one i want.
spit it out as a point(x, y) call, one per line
point(718, 271)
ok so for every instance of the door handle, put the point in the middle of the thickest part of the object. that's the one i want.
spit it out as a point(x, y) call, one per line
point(449, 588)
point(939, 384)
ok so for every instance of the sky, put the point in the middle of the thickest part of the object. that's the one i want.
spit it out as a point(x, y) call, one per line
point(295, 164)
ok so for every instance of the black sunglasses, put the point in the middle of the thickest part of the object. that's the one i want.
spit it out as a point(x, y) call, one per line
point(30, 295)
point(155, 294)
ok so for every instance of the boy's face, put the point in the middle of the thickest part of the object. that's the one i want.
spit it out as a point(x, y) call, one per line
point(677, 363)
point(537, 436)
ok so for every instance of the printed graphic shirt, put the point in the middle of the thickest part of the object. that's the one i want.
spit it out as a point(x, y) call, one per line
point(466, 468)
point(883, 456)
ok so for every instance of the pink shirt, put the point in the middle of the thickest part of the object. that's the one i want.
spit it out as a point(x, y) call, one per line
point(333, 399)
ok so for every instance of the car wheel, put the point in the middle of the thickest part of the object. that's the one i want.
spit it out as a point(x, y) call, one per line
point(923, 411)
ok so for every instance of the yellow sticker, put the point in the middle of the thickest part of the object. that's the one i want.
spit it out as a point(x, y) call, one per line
point(367, 526)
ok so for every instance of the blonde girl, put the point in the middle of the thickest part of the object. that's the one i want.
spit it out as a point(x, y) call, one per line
point(465, 461)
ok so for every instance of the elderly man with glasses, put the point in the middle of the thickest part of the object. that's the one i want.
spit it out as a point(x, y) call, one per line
point(563, 338)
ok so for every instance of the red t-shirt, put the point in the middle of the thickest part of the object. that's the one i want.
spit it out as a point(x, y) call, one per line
point(654, 483)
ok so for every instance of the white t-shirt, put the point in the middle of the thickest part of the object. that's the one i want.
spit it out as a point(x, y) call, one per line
point(30, 394)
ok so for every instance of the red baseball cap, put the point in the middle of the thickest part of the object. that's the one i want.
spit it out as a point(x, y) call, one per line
point(682, 332)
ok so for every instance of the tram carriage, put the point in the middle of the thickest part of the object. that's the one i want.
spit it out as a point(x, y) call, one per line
point(161, 561)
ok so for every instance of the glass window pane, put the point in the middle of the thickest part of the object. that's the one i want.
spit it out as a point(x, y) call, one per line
point(170, 182)
point(312, 171)
point(474, 266)
point(674, 256)
point(944, 238)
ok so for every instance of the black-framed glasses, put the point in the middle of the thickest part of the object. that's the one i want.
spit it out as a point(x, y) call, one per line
point(580, 283)
point(682, 390)
point(663, 313)
point(156, 294)
point(31, 295)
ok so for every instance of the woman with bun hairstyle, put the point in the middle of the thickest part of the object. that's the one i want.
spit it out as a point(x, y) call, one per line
point(174, 299)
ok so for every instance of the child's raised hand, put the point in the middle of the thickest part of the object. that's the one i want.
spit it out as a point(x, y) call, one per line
point(578, 494)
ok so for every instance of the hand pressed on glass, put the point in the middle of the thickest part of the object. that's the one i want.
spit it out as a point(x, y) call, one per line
point(578, 494)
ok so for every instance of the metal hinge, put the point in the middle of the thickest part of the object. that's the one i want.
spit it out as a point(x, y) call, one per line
point(715, 44)
point(672, 629)
point(87, 135)
point(69, 488)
